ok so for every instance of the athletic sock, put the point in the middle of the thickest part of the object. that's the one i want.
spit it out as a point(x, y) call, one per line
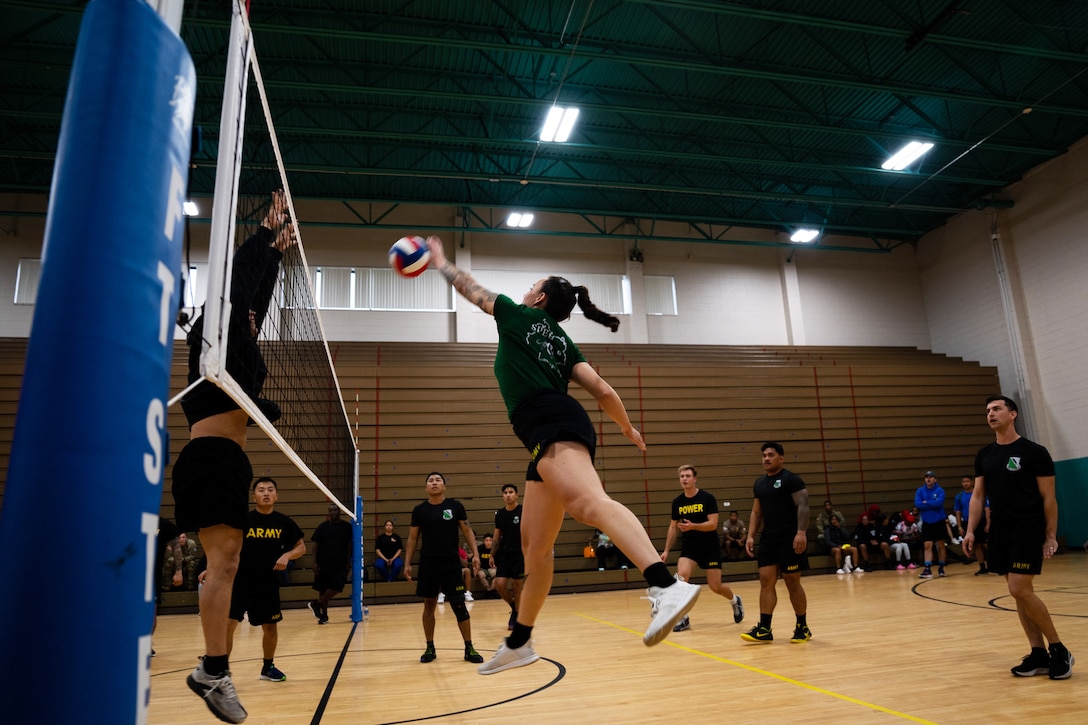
point(266, 666)
point(929, 564)
point(765, 620)
point(216, 666)
point(520, 636)
point(657, 575)
point(512, 607)
point(802, 620)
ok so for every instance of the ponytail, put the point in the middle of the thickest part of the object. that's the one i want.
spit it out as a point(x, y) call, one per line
point(561, 297)
point(592, 312)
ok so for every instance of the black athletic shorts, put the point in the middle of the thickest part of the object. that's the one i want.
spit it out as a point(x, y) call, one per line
point(327, 579)
point(1017, 548)
point(549, 416)
point(510, 565)
point(935, 532)
point(260, 599)
point(440, 573)
point(211, 484)
point(780, 553)
point(707, 557)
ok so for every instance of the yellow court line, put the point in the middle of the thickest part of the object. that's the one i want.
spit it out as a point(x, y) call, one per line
point(758, 671)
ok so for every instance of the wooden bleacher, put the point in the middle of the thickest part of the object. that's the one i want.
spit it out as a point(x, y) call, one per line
point(858, 424)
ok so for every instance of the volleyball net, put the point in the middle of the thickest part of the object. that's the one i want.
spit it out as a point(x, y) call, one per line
point(299, 405)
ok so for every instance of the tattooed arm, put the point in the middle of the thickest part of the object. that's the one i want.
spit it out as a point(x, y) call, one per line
point(461, 281)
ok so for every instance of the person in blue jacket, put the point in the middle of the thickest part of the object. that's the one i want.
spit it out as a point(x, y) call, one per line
point(930, 502)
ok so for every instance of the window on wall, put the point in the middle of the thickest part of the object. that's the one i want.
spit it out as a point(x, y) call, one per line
point(26, 281)
point(609, 292)
point(361, 288)
point(660, 295)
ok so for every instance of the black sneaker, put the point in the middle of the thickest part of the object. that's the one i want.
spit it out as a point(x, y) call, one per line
point(940, 571)
point(927, 573)
point(315, 609)
point(982, 571)
point(683, 625)
point(758, 634)
point(428, 654)
point(1035, 663)
point(801, 633)
point(1061, 662)
point(512, 621)
point(471, 655)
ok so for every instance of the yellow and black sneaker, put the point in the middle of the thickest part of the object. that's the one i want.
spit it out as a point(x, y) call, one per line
point(428, 654)
point(801, 633)
point(758, 634)
point(471, 655)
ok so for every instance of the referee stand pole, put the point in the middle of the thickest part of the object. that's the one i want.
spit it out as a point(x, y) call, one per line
point(90, 441)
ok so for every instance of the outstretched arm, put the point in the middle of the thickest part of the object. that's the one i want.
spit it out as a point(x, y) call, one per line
point(461, 281)
point(587, 378)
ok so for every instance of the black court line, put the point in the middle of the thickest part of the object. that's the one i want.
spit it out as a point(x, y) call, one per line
point(992, 604)
point(562, 672)
point(320, 711)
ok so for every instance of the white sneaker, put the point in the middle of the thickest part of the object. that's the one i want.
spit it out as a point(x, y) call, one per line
point(441, 597)
point(468, 597)
point(669, 605)
point(507, 659)
point(738, 609)
point(858, 570)
point(841, 571)
point(218, 693)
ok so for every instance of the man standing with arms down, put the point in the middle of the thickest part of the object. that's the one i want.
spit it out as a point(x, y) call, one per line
point(695, 514)
point(441, 521)
point(509, 561)
point(1017, 476)
point(332, 559)
point(781, 508)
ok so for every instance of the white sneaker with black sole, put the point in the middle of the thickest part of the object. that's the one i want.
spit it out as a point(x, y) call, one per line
point(218, 693)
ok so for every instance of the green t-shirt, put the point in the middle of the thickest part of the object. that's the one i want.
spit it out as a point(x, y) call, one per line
point(534, 352)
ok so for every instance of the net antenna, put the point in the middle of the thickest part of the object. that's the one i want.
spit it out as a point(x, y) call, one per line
point(313, 430)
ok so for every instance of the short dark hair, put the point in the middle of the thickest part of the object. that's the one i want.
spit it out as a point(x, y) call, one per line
point(435, 473)
point(509, 485)
point(775, 445)
point(1008, 401)
point(265, 479)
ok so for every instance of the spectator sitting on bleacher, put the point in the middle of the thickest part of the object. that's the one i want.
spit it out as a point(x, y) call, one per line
point(823, 520)
point(486, 575)
point(190, 560)
point(607, 550)
point(734, 532)
point(835, 538)
point(868, 541)
point(910, 533)
point(388, 554)
point(904, 532)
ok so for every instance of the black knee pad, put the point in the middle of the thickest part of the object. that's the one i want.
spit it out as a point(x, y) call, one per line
point(459, 610)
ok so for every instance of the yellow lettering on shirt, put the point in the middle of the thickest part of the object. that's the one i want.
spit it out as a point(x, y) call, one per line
point(258, 533)
point(695, 508)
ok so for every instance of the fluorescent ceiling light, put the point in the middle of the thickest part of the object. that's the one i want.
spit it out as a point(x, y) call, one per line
point(189, 208)
point(558, 125)
point(906, 156)
point(804, 236)
point(519, 219)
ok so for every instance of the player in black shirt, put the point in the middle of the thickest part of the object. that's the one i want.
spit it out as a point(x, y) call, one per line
point(1017, 476)
point(441, 521)
point(695, 515)
point(509, 560)
point(781, 508)
point(271, 540)
point(333, 540)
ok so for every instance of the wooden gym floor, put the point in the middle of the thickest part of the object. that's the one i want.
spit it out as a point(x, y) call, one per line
point(887, 647)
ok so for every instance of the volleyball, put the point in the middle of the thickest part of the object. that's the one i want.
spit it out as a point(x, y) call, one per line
point(409, 256)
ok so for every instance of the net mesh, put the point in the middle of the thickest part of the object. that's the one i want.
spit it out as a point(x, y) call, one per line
point(313, 428)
